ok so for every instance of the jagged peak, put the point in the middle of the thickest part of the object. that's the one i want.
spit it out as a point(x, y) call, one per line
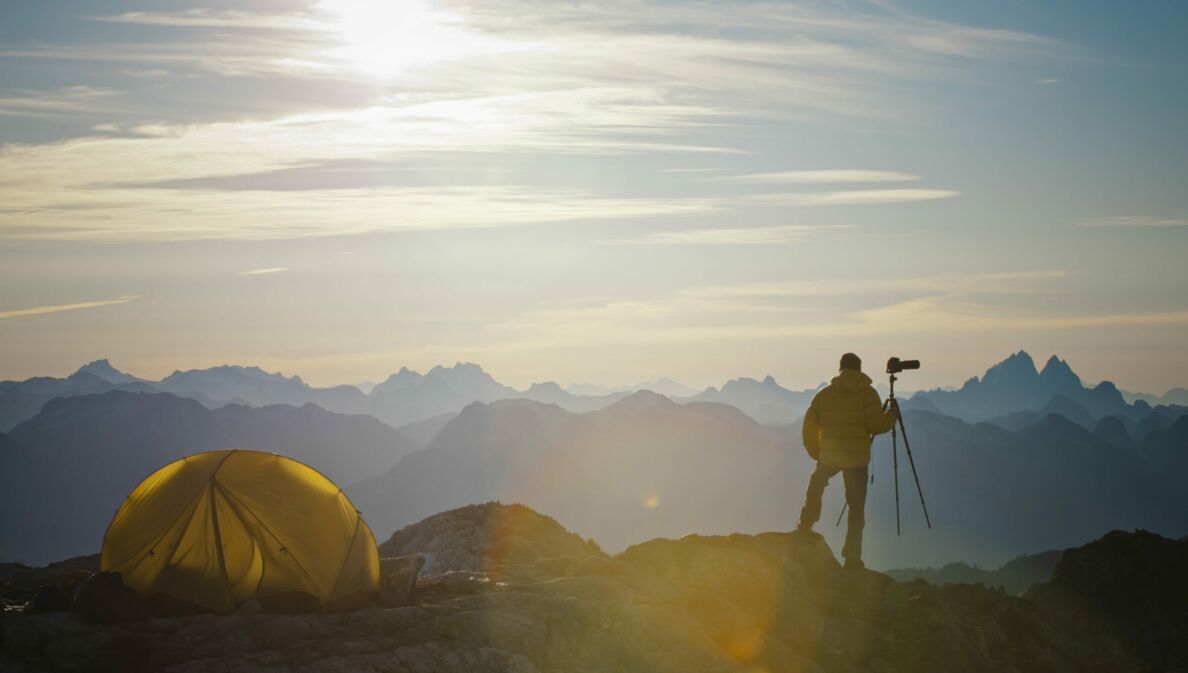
point(103, 369)
point(543, 386)
point(404, 373)
point(468, 367)
point(1016, 365)
point(1057, 370)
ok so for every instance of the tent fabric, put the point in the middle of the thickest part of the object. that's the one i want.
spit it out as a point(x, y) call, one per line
point(216, 528)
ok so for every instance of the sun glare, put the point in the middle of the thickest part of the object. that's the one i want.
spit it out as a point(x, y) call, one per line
point(387, 37)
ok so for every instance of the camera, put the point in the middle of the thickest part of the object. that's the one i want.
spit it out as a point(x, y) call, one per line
point(895, 365)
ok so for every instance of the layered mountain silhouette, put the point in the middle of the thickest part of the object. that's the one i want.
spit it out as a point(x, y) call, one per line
point(619, 474)
point(1014, 387)
point(663, 385)
point(20, 400)
point(648, 467)
point(619, 467)
point(1012, 394)
point(65, 471)
point(1014, 576)
point(405, 397)
point(765, 401)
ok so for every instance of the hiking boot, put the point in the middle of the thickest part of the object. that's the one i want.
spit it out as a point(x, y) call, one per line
point(855, 564)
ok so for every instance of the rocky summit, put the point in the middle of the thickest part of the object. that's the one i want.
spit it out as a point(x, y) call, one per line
point(770, 602)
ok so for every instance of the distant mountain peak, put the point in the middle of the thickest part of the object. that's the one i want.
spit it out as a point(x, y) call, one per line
point(1058, 373)
point(459, 367)
point(102, 369)
point(401, 378)
point(769, 380)
point(251, 372)
point(642, 399)
point(1017, 367)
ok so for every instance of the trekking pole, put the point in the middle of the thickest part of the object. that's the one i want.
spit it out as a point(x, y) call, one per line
point(912, 462)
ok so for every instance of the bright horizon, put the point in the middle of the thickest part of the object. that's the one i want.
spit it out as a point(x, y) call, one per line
point(907, 381)
point(598, 194)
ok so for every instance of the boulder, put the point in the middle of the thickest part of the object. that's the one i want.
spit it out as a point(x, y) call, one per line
point(398, 579)
point(492, 537)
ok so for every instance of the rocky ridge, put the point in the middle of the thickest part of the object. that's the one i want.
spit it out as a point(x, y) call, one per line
point(775, 601)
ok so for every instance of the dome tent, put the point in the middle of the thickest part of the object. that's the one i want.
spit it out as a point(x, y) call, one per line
point(216, 528)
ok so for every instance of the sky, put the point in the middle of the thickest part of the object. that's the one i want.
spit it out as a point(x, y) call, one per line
point(594, 192)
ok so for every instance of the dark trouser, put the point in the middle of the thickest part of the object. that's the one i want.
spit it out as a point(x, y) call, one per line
point(855, 482)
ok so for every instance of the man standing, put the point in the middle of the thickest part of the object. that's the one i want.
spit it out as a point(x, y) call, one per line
point(838, 427)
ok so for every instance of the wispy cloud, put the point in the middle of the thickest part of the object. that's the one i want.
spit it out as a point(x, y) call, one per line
point(942, 304)
point(852, 197)
point(627, 77)
point(729, 235)
point(264, 272)
point(42, 310)
point(119, 178)
point(841, 175)
point(998, 282)
point(1134, 221)
point(67, 100)
point(208, 18)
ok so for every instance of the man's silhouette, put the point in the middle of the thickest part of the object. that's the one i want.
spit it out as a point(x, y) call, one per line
point(838, 427)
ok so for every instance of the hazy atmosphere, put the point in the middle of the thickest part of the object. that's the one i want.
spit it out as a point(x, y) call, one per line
point(393, 336)
point(598, 193)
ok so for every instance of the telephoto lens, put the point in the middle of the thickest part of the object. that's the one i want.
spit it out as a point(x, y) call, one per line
point(895, 365)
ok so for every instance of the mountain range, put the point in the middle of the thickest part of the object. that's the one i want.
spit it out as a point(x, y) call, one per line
point(1012, 393)
point(404, 397)
point(1015, 385)
point(64, 472)
point(620, 467)
point(647, 466)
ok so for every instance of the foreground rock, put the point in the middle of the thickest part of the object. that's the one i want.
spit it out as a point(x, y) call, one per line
point(487, 538)
point(777, 602)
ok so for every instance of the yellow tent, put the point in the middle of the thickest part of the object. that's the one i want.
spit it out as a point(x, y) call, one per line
point(216, 528)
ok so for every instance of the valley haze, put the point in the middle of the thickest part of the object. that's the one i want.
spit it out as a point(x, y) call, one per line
point(1018, 460)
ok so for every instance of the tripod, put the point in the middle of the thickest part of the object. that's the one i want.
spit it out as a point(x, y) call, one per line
point(893, 403)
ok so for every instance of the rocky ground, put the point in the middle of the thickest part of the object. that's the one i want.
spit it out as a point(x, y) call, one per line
point(772, 602)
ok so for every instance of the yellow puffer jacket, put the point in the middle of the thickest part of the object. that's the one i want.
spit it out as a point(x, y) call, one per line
point(842, 420)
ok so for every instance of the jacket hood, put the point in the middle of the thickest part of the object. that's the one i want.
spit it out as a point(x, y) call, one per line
point(851, 380)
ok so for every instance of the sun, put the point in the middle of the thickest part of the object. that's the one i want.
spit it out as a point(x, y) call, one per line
point(389, 37)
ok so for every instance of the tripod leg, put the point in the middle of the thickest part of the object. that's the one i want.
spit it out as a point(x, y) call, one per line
point(895, 473)
point(841, 514)
point(912, 462)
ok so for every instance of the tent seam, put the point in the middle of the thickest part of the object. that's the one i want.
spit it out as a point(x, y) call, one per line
point(347, 556)
point(235, 507)
point(297, 563)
